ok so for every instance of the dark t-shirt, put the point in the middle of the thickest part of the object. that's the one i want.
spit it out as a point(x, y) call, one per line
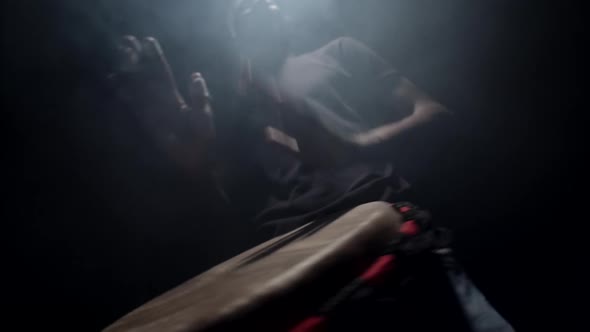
point(324, 98)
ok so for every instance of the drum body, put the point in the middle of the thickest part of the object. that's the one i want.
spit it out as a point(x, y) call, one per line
point(273, 285)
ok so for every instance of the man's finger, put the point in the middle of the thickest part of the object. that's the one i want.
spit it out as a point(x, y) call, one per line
point(153, 50)
point(130, 51)
point(198, 91)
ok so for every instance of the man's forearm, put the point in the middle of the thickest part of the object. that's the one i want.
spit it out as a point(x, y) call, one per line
point(422, 115)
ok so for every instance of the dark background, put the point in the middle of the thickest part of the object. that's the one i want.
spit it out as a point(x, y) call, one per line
point(103, 222)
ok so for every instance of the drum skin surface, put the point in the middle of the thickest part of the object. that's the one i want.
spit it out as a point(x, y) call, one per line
point(273, 285)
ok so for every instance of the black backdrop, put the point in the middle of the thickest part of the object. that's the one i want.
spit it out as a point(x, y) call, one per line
point(103, 222)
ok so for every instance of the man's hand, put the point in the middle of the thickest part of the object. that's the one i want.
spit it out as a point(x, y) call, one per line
point(183, 130)
point(365, 139)
point(278, 137)
point(422, 110)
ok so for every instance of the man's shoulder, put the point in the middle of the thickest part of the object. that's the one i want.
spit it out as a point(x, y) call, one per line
point(329, 53)
point(338, 55)
point(339, 45)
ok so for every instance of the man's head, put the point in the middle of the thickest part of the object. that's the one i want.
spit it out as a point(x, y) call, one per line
point(259, 31)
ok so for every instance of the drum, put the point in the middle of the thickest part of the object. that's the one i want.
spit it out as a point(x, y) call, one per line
point(274, 285)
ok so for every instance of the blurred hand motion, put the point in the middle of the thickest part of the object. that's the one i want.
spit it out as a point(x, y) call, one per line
point(184, 130)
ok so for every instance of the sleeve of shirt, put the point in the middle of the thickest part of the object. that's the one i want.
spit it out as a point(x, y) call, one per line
point(371, 80)
point(361, 61)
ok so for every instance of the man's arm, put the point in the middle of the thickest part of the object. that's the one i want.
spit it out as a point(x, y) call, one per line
point(422, 110)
